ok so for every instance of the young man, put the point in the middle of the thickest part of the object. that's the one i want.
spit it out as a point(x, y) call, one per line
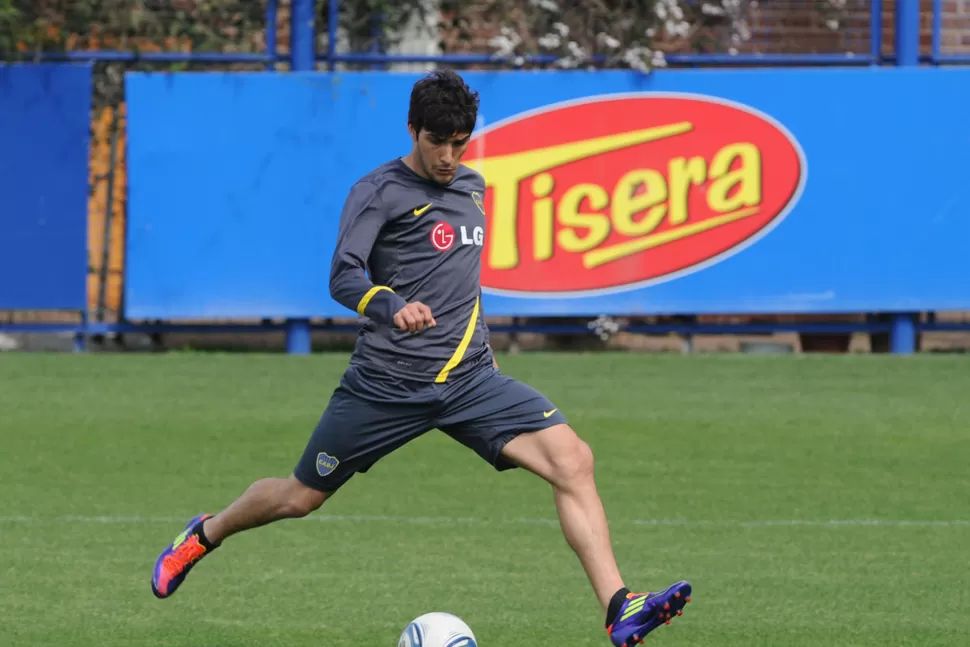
point(407, 259)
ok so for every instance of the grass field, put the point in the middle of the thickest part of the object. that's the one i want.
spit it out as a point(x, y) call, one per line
point(810, 500)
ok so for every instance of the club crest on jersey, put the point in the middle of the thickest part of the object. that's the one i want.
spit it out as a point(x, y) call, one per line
point(326, 464)
point(477, 198)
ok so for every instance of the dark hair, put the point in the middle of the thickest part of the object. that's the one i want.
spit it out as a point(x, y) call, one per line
point(443, 105)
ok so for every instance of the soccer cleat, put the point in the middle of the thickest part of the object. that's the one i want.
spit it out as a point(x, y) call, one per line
point(641, 613)
point(177, 560)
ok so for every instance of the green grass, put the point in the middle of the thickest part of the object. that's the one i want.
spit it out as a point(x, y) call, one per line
point(695, 456)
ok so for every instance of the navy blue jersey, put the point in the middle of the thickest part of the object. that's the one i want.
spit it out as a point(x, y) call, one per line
point(402, 239)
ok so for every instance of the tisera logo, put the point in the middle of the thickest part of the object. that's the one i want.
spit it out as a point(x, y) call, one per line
point(621, 191)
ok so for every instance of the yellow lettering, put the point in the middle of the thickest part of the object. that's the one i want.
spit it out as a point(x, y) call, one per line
point(635, 207)
point(570, 217)
point(747, 178)
point(627, 203)
point(684, 173)
point(503, 173)
point(543, 217)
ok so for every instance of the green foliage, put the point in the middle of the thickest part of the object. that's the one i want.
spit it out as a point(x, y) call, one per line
point(11, 21)
point(30, 26)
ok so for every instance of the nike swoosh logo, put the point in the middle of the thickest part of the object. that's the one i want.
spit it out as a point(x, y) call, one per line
point(546, 414)
point(418, 212)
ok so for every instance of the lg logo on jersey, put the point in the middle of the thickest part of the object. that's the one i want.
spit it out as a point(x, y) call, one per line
point(443, 236)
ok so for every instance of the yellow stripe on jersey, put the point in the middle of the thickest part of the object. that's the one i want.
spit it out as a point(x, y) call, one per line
point(462, 347)
point(370, 295)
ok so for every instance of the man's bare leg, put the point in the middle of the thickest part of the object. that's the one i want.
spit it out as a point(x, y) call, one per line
point(264, 502)
point(559, 456)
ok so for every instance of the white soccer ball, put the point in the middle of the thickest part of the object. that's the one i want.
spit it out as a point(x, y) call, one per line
point(437, 629)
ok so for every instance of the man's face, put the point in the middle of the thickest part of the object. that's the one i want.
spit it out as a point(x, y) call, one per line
point(440, 156)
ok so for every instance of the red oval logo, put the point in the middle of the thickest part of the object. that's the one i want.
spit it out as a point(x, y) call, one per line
point(443, 236)
point(615, 192)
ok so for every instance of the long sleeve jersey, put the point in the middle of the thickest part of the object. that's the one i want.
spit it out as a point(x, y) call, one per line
point(402, 239)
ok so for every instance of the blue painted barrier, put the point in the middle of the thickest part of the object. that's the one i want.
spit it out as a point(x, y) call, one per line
point(763, 194)
point(44, 133)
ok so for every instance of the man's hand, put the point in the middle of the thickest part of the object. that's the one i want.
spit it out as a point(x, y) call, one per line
point(414, 317)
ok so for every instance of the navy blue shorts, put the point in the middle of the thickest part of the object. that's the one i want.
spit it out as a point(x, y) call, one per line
point(369, 416)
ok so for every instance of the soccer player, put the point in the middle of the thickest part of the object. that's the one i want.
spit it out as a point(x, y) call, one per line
point(407, 260)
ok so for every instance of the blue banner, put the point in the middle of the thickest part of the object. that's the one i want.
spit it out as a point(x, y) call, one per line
point(45, 123)
point(708, 191)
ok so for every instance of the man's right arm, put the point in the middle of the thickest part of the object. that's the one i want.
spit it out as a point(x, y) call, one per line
point(360, 223)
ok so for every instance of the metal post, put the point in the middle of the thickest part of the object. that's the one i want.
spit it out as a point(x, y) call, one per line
point(902, 336)
point(81, 337)
point(937, 28)
point(302, 59)
point(907, 32)
point(272, 9)
point(298, 336)
point(333, 22)
point(376, 44)
point(302, 34)
point(875, 32)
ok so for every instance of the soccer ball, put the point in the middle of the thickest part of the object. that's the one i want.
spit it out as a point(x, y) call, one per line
point(437, 629)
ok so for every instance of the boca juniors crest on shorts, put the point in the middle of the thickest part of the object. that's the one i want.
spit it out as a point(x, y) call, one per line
point(326, 463)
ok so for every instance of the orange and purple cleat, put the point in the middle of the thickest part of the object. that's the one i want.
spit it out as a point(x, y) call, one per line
point(177, 560)
point(641, 613)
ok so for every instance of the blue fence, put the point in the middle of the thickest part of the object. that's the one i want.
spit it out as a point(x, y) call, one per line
point(775, 198)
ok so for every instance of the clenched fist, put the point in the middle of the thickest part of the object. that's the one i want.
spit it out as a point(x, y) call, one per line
point(414, 317)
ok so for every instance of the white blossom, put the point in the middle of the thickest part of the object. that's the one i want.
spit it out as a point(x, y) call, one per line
point(606, 40)
point(505, 42)
point(548, 5)
point(550, 41)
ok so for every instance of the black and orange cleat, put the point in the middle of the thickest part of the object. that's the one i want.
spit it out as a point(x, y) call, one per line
point(177, 560)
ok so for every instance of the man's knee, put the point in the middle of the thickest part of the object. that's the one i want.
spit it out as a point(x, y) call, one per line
point(570, 460)
point(556, 454)
point(298, 500)
point(573, 462)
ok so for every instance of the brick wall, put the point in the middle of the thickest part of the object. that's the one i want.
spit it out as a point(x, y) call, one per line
point(799, 27)
point(955, 32)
